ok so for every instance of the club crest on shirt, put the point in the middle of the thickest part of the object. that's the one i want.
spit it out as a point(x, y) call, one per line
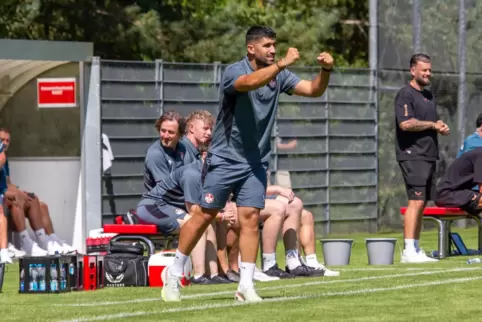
point(272, 83)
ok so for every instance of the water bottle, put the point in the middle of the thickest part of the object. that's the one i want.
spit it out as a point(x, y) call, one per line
point(22, 280)
point(53, 278)
point(41, 278)
point(33, 278)
point(474, 261)
point(63, 280)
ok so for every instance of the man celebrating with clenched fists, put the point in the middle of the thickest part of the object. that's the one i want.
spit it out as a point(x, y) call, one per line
point(239, 154)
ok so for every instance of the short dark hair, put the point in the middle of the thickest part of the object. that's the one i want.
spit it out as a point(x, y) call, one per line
point(172, 116)
point(419, 57)
point(478, 121)
point(257, 32)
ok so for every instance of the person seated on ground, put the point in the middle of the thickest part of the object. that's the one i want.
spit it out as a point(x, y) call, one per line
point(455, 187)
point(166, 154)
point(228, 240)
point(37, 212)
point(308, 244)
point(199, 125)
point(291, 223)
point(169, 205)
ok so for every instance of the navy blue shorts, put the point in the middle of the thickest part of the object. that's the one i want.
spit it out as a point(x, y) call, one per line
point(221, 177)
point(163, 216)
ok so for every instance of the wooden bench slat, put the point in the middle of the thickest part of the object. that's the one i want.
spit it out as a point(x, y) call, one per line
point(438, 211)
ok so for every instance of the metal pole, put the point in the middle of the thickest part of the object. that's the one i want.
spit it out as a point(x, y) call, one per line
point(462, 61)
point(462, 88)
point(373, 65)
point(416, 26)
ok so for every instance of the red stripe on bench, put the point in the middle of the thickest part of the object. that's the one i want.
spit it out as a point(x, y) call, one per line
point(131, 229)
point(438, 211)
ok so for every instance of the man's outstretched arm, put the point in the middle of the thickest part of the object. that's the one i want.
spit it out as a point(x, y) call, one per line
point(317, 86)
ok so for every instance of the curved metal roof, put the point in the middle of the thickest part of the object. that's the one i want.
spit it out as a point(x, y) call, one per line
point(14, 74)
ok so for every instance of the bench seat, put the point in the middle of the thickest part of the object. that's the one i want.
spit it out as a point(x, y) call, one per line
point(443, 217)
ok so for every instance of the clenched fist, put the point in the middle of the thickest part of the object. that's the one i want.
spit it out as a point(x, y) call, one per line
point(291, 57)
point(325, 60)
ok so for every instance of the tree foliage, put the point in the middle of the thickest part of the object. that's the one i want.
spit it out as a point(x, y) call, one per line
point(194, 31)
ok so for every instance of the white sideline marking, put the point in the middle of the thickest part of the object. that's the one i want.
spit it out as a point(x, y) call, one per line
point(277, 287)
point(271, 300)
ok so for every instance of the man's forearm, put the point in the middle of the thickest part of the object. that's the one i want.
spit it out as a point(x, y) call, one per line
point(272, 190)
point(414, 125)
point(320, 83)
point(258, 78)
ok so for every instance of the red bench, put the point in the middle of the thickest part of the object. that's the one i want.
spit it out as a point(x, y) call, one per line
point(144, 233)
point(444, 217)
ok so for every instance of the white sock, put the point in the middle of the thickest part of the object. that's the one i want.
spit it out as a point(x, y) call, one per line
point(4, 252)
point(54, 238)
point(416, 243)
point(410, 245)
point(292, 260)
point(177, 268)
point(312, 260)
point(246, 272)
point(25, 241)
point(212, 275)
point(42, 238)
point(269, 260)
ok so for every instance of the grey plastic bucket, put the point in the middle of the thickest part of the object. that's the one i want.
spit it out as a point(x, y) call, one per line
point(336, 252)
point(380, 250)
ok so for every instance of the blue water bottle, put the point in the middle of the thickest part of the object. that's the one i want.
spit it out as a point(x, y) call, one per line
point(54, 286)
point(63, 280)
point(22, 280)
point(41, 278)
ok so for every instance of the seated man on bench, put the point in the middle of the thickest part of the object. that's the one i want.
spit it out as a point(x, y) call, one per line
point(455, 188)
point(32, 208)
point(169, 205)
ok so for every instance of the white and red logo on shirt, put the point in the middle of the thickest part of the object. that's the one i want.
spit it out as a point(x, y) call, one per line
point(209, 198)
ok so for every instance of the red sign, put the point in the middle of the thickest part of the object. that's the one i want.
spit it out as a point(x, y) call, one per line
point(56, 92)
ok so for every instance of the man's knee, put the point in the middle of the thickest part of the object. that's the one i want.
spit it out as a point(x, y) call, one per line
point(417, 204)
point(43, 205)
point(248, 217)
point(307, 218)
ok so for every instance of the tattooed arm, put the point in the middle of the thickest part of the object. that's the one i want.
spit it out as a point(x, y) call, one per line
point(414, 125)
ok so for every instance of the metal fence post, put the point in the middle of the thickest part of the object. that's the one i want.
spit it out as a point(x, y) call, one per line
point(462, 88)
point(159, 75)
point(373, 65)
point(416, 26)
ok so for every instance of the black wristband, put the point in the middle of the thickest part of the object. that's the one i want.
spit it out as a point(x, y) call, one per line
point(326, 70)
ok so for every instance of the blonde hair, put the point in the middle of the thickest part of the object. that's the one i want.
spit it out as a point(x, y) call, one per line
point(201, 115)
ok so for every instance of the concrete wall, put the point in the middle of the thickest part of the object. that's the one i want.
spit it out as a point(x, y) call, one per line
point(55, 181)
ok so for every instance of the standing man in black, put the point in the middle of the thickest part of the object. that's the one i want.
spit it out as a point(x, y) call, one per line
point(417, 128)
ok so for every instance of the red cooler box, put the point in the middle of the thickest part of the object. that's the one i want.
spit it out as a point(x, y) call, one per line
point(159, 261)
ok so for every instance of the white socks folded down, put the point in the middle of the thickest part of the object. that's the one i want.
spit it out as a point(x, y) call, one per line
point(44, 244)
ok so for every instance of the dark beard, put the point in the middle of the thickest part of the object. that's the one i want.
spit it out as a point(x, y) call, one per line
point(421, 83)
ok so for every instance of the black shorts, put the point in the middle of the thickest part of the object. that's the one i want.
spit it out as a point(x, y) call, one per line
point(419, 179)
point(468, 200)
